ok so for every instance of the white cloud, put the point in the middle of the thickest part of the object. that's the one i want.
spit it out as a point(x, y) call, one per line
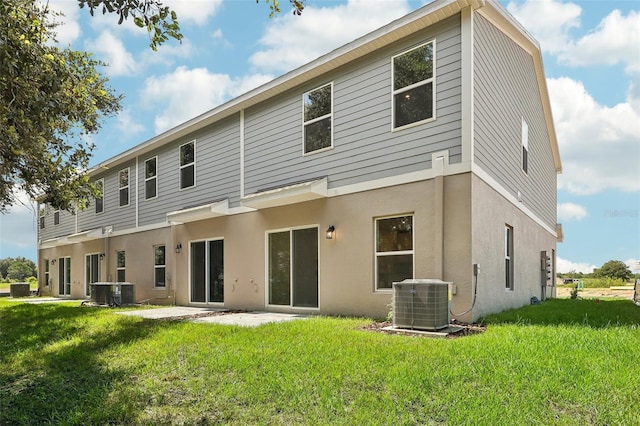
point(615, 40)
point(563, 266)
point(127, 123)
point(291, 41)
point(18, 228)
point(112, 50)
point(186, 93)
point(568, 212)
point(549, 21)
point(194, 11)
point(69, 29)
point(599, 145)
point(634, 265)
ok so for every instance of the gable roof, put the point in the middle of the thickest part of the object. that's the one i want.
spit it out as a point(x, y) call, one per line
point(420, 19)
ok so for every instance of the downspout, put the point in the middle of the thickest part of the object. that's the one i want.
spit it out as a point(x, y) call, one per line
point(438, 218)
point(107, 232)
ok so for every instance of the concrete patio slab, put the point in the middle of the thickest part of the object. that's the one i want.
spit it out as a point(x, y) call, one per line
point(249, 319)
point(171, 312)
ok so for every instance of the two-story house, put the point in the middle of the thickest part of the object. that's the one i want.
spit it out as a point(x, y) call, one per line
point(425, 149)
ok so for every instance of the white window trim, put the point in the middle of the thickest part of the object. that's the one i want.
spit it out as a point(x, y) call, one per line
point(377, 254)
point(524, 146)
point(121, 268)
point(508, 255)
point(148, 179)
point(56, 212)
point(155, 267)
point(181, 166)
point(266, 269)
point(127, 186)
point(305, 123)
point(42, 214)
point(87, 284)
point(101, 180)
point(432, 80)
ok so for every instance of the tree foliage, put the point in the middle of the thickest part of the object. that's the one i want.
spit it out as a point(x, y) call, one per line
point(50, 99)
point(18, 268)
point(615, 269)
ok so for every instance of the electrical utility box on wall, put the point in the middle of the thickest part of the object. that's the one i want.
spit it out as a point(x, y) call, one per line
point(421, 304)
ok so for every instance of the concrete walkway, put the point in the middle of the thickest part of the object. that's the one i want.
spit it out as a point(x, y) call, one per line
point(214, 315)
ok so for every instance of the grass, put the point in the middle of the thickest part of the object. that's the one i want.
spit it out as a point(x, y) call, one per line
point(565, 362)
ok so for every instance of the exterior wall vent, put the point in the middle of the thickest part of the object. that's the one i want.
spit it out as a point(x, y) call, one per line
point(421, 304)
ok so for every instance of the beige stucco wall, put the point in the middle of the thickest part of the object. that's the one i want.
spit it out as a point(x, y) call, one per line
point(458, 221)
point(491, 212)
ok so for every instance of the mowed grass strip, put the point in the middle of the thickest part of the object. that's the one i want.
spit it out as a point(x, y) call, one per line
point(565, 362)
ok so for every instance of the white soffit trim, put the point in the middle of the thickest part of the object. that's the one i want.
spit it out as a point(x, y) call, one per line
point(291, 194)
point(92, 234)
point(206, 211)
point(53, 242)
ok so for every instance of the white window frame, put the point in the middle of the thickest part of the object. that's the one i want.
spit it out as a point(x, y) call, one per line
point(56, 217)
point(47, 272)
point(158, 266)
point(508, 257)
point(431, 80)
point(41, 217)
point(154, 178)
point(124, 187)
point(524, 152)
point(378, 254)
point(100, 182)
point(87, 278)
point(314, 120)
point(123, 267)
point(183, 166)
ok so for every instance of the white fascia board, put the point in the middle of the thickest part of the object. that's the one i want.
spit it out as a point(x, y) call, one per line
point(92, 234)
point(285, 195)
point(206, 211)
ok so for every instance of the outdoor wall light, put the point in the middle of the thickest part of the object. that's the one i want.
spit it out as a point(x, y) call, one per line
point(330, 231)
point(179, 248)
point(101, 256)
point(53, 261)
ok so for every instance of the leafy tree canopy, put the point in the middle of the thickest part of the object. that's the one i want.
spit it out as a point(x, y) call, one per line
point(615, 269)
point(50, 98)
point(17, 268)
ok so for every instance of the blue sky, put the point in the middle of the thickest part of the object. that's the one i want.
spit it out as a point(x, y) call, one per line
point(592, 61)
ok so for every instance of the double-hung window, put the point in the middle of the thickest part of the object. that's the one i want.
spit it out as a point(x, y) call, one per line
point(41, 216)
point(120, 266)
point(100, 198)
point(525, 146)
point(123, 184)
point(151, 178)
point(318, 117)
point(394, 250)
point(56, 217)
point(188, 165)
point(508, 257)
point(413, 85)
point(160, 273)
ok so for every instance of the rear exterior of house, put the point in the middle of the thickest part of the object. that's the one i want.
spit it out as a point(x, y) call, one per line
point(425, 149)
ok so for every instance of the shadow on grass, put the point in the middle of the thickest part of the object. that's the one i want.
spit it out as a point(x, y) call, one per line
point(594, 313)
point(51, 369)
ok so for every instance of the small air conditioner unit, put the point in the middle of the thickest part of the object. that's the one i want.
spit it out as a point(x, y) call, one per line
point(421, 304)
point(113, 294)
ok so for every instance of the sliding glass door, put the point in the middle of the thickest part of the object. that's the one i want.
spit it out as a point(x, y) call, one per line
point(207, 271)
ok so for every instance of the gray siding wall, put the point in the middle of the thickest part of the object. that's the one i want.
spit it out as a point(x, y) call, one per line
point(66, 226)
point(113, 214)
point(365, 148)
point(506, 90)
point(217, 172)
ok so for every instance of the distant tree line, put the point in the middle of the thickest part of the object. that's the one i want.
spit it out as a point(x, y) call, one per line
point(614, 269)
point(17, 269)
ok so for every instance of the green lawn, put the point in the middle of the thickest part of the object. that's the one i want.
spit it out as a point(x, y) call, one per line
point(565, 362)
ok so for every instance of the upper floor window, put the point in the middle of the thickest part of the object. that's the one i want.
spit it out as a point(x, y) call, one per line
point(151, 178)
point(43, 213)
point(318, 106)
point(525, 146)
point(508, 257)
point(123, 184)
point(394, 250)
point(100, 198)
point(188, 165)
point(56, 217)
point(413, 80)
